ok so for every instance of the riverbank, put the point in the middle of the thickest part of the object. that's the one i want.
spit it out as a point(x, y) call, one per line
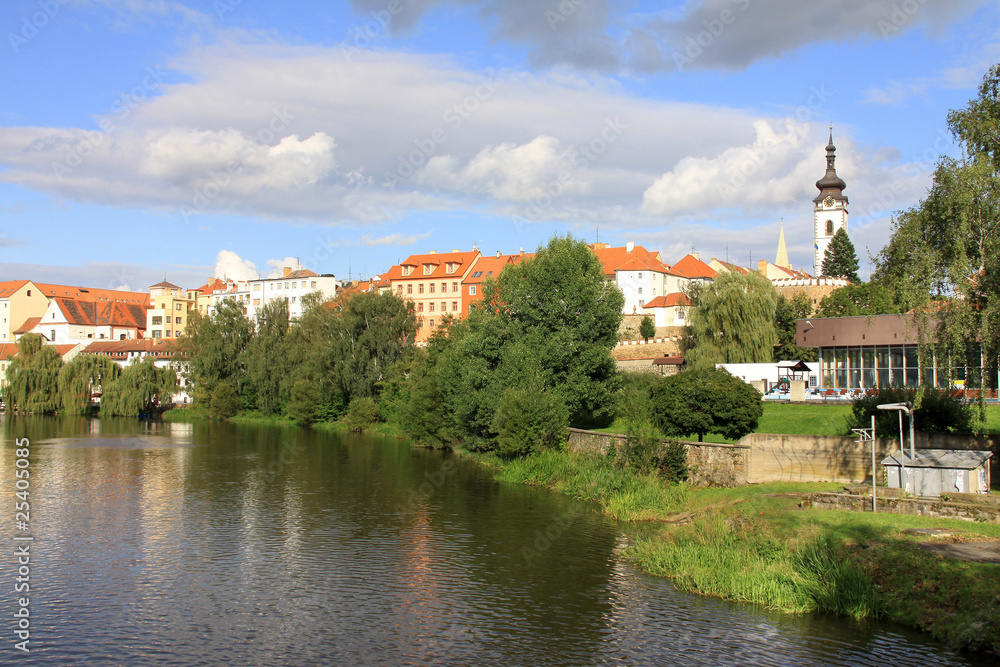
point(756, 544)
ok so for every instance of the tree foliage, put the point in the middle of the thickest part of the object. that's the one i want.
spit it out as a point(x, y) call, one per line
point(869, 299)
point(840, 259)
point(786, 312)
point(706, 401)
point(733, 321)
point(934, 411)
point(647, 328)
point(947, 247)
point(33, 377)
point(139, 390)
point(83, 377)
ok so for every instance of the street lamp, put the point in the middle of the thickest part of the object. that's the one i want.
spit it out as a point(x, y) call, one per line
point(906, 407)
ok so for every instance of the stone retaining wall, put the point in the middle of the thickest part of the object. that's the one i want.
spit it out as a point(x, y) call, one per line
point(919, 506)
point(710, 464)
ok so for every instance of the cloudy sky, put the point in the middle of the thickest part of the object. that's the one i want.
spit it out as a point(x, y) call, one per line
point(149, 138)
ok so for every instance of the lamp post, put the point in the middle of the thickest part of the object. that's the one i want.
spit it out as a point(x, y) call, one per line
point(906, 407)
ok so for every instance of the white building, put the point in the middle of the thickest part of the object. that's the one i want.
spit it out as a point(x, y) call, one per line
point(830, 208)
point(72, 321)
point(291, 286)
point(639, 274)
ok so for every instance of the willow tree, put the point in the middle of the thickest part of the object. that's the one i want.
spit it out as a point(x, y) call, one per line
point(139, 390)
point(947, 248)
point(33, 377)
point(84, 376)
point(732, 321)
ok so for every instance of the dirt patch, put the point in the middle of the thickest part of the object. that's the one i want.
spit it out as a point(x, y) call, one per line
point(975, 552)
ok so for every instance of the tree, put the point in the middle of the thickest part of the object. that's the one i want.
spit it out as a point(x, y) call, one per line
point(733, 321)
point(267, 359)
point(33, 377)
point(83, 377)
point(947, 247)
point(647, 328)
point(215, 348)
point(706, 401)
point(869, 299)
point(934, 411)
point(786, 312)
point(840, 260)
point(139, 390)
point(528, 420)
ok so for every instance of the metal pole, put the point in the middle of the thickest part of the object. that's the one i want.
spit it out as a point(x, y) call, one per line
point(874, 500)
point(913, 451)
point(902, 456)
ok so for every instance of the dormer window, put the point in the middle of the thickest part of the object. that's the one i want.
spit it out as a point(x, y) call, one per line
point(450, 267)
point(428, 269)
point(407, 270)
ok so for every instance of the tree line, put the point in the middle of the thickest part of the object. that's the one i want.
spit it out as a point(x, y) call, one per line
point(38, 382)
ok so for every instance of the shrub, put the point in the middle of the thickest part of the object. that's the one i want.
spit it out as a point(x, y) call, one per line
point(362, 413)
point(645, 451)
point(224, 402)
point(529, 420)
point(936, 411)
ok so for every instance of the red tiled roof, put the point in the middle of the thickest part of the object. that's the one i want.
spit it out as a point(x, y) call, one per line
point(438, 260)
point(95, 313)
point(488, 267)
point(94, 294)
point(208, 288)
point(691, 267)
point(7, 350)
point(668, 300)
point(620, 259)
point(28, 325)
point(10, 286)
point(123, 347)
point(733, 267)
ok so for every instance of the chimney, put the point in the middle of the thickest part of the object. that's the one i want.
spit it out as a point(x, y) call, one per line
point(498, 253)
point(286, 271)
point(433, 252)
point(762, 267)
point(695, 255)
point(630, 246)
point(456, 250)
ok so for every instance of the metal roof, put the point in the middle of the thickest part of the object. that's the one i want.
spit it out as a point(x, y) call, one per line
point(956, 459)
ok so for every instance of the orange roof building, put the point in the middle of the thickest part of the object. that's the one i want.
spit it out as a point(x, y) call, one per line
point(640, 274)
point(692, 268)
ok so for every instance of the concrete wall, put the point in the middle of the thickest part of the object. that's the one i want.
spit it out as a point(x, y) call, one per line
point(918, 506)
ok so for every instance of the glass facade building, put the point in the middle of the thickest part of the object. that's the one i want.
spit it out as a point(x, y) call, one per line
point(866, 367)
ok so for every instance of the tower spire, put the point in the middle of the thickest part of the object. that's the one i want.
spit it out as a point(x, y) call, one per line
point(782, 257)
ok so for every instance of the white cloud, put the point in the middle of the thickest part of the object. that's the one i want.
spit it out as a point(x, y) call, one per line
point(394, 239)
point(278, 266)
point(230, 265)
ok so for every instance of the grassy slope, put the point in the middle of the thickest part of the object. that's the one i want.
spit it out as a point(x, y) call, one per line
point(755, 544)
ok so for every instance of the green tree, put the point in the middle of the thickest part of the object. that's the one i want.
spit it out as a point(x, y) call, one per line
point(872, 298)
point(215, 348)
point(706, 401)
point(947, 247)
point(786, 312)
point(934, 411)
point(266, 359)
point(528, 420)
point(647, 328)
point(840, 259)
point(732, 321)
point(33, 377)
point(82, 377)
point(140, 389)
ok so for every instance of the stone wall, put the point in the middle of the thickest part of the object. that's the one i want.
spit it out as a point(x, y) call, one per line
point(710, 464)
point(920, 506)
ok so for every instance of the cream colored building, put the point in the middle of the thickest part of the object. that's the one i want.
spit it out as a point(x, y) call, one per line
point(170, 309)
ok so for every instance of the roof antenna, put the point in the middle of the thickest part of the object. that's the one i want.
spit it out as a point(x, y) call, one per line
point(598, 230)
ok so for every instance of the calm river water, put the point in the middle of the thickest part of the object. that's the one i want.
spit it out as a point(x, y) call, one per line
point(219, 544)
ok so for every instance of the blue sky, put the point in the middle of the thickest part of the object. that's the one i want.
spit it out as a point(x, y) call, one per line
point(149, 138)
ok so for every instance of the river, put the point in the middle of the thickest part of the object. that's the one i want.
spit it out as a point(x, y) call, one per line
point(222, 544)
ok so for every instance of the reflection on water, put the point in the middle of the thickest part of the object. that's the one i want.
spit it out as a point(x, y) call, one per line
point(168, 544)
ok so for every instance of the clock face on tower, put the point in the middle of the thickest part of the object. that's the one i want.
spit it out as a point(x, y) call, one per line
point(828, 202)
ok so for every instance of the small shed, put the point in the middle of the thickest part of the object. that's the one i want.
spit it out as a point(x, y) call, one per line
point(668, 365)
point(936, 471)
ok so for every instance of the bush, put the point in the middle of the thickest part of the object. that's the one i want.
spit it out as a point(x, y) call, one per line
point(706, 401)
point(224, 402)
point(936, 411)
point(304, 403)
point(529, 420)
point(362, 413)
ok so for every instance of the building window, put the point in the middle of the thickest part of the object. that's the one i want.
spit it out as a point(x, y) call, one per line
point(313, 285)
point(177, 320)
point(168, 319)
point(256, 302)
point(293, 299)
point(256, 288)
point(680, 313)
point(400, 289)
point(293, 285)
point(177, 306)
point(420, 288)
point(432, 288)
point(444, 306)
point(454, 306)
point(409, 289)
point(157, 333)
point(29, 292)
point(428, 269)
point(430, 306)
point(640, 276)
point(432, 324)
point(829, 227)
point(640, 292)
point(642, 302)
point(472, 290)
point(420, 307)
point(157, 319)
point(444, 287)
point(454, 287)
point(169, 332)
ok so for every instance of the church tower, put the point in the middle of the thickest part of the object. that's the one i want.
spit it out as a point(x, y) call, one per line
point(830, 211)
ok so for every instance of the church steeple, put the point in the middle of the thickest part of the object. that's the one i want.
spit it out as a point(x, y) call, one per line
point(831, 185)
point(782, 257)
